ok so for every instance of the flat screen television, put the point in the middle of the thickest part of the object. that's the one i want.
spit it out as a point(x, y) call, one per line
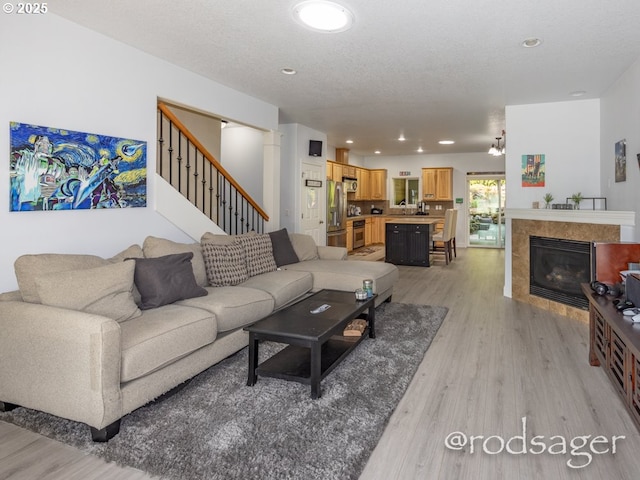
point(315, 148)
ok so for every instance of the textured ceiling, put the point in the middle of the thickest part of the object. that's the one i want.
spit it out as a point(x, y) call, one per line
point(429, 69)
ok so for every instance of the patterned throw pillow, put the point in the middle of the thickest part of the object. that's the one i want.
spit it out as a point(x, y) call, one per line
point(259, 253)
point(225, 264)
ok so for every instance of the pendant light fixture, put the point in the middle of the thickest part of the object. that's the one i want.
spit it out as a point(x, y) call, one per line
point(496, 150)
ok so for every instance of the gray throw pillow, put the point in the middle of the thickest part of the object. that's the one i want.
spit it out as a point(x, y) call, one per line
point(259, 253)
point(167, 279)
point(283, 251)
point(159, 247)
point(225, 264)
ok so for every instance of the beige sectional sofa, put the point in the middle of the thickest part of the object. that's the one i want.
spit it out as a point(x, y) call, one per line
point(92, 339)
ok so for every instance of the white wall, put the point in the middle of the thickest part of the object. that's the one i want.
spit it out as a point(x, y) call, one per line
point(568, 134)
point(620, 119)
point(294, 151)
point(242, 156)
point(58, 74)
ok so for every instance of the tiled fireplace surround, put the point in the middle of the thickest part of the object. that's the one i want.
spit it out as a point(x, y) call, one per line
point(588, 226)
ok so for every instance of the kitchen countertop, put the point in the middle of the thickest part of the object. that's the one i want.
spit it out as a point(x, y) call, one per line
point(399, 218)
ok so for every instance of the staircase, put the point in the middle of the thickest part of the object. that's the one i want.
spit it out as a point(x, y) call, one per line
point(185, 164)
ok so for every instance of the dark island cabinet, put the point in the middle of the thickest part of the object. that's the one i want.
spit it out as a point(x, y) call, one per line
point(408, 244)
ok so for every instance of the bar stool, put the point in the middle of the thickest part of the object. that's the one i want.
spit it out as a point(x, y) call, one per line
point(445, 236)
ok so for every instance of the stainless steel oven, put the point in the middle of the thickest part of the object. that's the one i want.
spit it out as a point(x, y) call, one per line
point(358, 233)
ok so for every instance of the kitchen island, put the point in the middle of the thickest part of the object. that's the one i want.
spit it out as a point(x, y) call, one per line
point(408, 239)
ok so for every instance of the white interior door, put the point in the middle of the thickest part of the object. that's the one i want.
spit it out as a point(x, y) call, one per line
point(313, 203)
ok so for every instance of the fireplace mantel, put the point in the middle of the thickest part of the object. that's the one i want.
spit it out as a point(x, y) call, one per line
point(581, 225)
point(600, 217)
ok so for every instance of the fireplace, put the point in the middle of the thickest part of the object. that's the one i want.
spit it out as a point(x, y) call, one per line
point(557, 267)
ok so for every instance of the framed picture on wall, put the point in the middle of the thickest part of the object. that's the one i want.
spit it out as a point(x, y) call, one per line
point(59, 169)
point(621, 161)
point(533, 174)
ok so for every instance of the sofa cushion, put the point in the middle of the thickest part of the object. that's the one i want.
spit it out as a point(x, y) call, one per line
point(284, 286)
point(162, 336)
point(348, 276)
point(105, 290)
point(283, 252)
point(304, 246)
point(234, 307)
point(159, 247)
point(258, 253)
point(225, 264)
point(28, 267)
point(167, 279)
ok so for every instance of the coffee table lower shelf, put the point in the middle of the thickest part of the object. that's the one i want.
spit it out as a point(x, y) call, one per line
point(294, 362)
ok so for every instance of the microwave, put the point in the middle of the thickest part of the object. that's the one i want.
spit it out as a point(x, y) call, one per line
point(351, 184)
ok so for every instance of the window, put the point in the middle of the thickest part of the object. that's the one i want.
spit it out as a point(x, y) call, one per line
point(405, 191)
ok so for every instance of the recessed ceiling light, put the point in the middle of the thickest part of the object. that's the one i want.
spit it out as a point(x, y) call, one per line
point(446, 142)
point(288, 71)
point(401, 138)
point(531, 42)
point(420, 150)
point(578, 93)
point(377, 152)
point(349, 141)
point(323, 16)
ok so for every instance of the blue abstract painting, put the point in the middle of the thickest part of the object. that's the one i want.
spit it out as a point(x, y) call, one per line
point(57, 169)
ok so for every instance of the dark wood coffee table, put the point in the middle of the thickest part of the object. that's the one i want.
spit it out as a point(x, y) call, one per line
point(315, 341)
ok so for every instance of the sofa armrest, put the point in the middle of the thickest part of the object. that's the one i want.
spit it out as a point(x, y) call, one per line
point(332, 253)
point(60, 361)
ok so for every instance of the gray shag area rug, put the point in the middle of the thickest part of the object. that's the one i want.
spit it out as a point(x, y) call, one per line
point(218, 428)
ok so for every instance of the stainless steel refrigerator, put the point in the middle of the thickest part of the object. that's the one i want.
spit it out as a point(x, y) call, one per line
point(336, 214)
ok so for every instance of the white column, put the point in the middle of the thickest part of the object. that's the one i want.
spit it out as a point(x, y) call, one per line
point(271, 179)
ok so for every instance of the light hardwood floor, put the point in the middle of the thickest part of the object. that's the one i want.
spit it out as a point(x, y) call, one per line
point(493, 362)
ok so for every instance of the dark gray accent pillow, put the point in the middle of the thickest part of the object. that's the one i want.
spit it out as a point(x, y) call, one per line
point(167, 279)
point(283, 251)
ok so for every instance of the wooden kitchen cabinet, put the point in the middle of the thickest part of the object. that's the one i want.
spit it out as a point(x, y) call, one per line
point(349, 171)
point(337, 172)
point(349, 235)
point(334, 171)
point(378, 184)
point(362, 175)
point(377, 229)
point(342, 155)
point(368, 232)
point(437, 183)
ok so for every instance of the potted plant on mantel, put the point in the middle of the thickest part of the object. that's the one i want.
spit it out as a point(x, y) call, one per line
point(548, 198)
point(576, 198)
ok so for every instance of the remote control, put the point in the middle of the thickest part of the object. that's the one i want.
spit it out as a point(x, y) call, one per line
point(321, 308)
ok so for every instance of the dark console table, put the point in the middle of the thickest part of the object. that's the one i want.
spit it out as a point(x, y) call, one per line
point(614, 344)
